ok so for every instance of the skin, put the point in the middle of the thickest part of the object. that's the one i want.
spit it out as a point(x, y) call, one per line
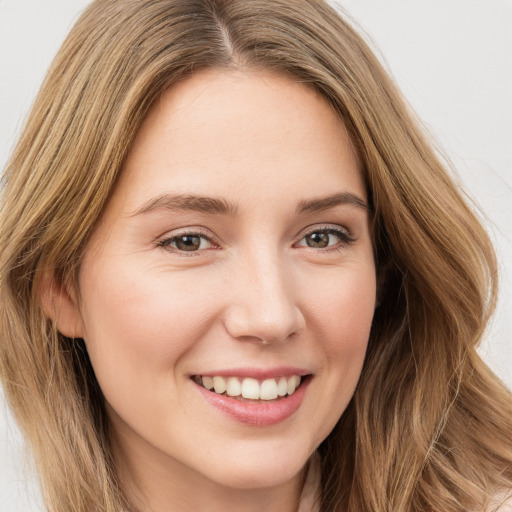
point(153, 315)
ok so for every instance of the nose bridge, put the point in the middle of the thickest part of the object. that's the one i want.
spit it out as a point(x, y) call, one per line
point(265, 304)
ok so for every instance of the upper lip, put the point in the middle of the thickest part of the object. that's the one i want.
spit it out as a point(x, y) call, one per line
point(258, 373)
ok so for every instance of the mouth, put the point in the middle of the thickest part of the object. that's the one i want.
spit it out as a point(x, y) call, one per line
point(249, 389)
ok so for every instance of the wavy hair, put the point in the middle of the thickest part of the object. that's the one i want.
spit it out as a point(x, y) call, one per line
point(429, 426)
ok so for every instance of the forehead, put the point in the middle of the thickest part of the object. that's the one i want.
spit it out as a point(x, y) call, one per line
point(240, 135)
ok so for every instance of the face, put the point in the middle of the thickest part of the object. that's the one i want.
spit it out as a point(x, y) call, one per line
point(235, 252)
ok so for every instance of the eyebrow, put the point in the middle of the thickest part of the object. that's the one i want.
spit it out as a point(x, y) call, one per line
point(212, 205)
point(324, 203)
point(187, 202)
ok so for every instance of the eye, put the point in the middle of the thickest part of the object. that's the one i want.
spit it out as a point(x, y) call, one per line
point(186, 242)
point(325, 238)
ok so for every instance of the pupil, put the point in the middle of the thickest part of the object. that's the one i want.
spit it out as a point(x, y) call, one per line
point(188, 243)
point(318, 240)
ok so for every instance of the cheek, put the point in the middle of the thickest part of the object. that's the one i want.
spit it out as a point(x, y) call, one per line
point(138, 322)
point(341, 312)
point(343, 309)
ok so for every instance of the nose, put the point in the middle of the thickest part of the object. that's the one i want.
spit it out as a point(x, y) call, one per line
point(263, 305)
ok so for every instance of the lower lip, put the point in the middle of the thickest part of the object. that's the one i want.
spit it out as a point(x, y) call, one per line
point(258, 414)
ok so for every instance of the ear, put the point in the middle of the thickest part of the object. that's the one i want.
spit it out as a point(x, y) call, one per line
point(60, 304)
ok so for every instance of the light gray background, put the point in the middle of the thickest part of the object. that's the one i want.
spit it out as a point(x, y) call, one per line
point(451, 58)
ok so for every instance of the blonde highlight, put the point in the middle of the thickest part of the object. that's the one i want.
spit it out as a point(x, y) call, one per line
point(422, 380)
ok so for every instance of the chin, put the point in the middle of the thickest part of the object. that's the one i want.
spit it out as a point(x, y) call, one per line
point(260, 472)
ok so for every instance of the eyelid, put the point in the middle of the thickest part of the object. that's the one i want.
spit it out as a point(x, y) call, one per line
point(346, 238)
point(343, 232)
point(190, 231)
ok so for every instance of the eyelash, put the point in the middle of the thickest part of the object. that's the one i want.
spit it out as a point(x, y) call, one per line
point(165, 243)
point(345, 240)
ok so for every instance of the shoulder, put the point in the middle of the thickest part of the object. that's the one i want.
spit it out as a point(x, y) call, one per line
point(501, 503)
point(506, 506)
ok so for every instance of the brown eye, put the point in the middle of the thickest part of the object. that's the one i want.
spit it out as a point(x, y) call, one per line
point(188, 242)
point(326, 238)
point(318, 240)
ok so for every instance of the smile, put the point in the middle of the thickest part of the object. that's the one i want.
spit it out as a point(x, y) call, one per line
point(250, 388)
point(259, 400)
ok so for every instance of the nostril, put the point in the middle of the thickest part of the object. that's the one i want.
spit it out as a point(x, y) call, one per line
point(246, 322)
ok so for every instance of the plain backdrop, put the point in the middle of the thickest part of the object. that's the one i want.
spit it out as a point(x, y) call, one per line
point(451, 58)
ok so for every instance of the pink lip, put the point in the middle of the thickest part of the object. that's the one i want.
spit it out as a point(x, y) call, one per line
point(259, 373)
point(258, 414)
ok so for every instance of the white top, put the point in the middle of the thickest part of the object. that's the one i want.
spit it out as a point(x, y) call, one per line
point(502, 503)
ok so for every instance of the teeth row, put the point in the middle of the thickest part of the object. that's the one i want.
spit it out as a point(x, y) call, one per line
point(269, 389)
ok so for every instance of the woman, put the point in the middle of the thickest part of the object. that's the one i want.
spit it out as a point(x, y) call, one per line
point(235, 276)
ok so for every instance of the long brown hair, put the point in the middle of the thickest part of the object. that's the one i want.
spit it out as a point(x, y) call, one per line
point(429, 427)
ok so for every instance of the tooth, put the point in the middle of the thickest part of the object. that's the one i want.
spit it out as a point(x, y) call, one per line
point(268, 389)
point(282, 386)
point(250, 389)
point(219, 383)
point(292, 384)
point(207, 382)
point(233, 387)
